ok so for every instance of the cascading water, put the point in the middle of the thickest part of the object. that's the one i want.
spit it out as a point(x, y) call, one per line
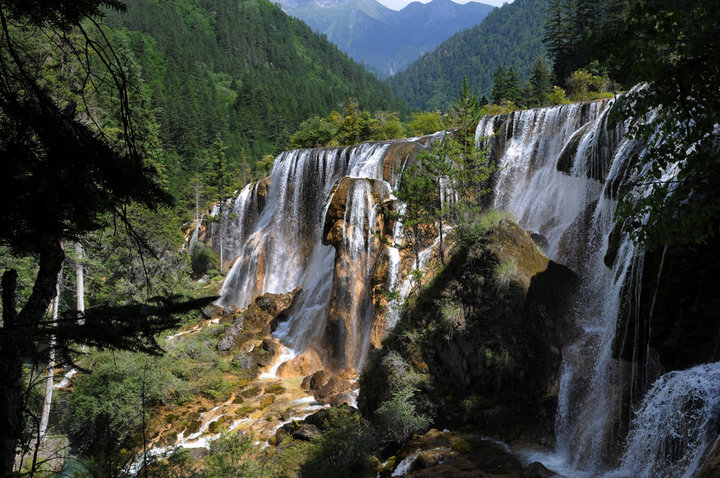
point(283, 249)
point(559, 169)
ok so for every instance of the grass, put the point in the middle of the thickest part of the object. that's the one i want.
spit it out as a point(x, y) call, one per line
point(504, 273)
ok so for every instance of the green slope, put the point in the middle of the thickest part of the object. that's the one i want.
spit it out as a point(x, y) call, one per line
point(509, 36)
point(243, 69)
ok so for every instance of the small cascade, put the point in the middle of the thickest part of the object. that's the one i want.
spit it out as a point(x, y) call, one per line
point(675, 425)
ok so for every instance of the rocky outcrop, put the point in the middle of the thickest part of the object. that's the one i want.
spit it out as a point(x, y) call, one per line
point(484, 339)
point(304, 364)
point(258, 319)
point(459, 455)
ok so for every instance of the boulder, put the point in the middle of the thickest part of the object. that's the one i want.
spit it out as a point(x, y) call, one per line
point(305, 432)
point(329, 392)
point(317, 380)
point(227, 341)
point(302, 365)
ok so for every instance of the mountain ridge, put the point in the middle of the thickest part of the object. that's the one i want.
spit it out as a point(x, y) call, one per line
point(385, 40)
point(510, 36)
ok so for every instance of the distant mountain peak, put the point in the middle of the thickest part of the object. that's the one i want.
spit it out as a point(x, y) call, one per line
point(383, 39)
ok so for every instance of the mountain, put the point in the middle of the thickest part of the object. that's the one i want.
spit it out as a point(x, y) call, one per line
point(510, 36)
point(241, 69)
point(385, 40)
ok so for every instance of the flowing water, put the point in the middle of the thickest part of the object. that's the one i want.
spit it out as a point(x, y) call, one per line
point(559, 172)
point(282, 247)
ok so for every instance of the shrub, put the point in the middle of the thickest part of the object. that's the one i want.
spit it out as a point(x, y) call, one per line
point(397, 419)
point(556, 97)
point(345, 449)
point(472, 224)
point(203, 260)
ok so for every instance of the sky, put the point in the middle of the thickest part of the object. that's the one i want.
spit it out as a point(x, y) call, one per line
point(398, 4)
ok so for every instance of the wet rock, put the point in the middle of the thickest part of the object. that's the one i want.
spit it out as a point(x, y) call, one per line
point(261, 356)
point(227, 341)
point(537, 470)
point(334, 387)
point(347, 374)
point(344, 398)
point(540, 241)
point(316, 380)
point(302, 365)
point(457, 455)
point(212, 310)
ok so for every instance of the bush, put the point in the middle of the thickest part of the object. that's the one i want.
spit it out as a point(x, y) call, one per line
point(472, 224)
point(203, 260)
point(556, 97)
point(397, 419)
point(345, 449)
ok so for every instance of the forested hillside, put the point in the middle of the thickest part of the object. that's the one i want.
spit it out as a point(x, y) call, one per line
point(385, 40)
point(510, 36)
point(243, 70)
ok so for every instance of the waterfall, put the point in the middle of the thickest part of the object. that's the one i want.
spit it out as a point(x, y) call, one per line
point(675, 425)
point(558, 172)
point(279, 245)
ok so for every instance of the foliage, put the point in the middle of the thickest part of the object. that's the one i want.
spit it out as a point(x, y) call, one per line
point(353, 126)
point(510, 36)
point(106, 409)
point(231, 456)
point(450, 174)
point(472, 226)
point(397, 418)
point(203, 260)
point(344, 449)
point(425, 122)
point(668, 46)
point(313, 133)
point(242, 70)
point(504, 273)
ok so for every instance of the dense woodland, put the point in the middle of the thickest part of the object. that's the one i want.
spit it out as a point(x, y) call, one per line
point(112, 142)
point(510, 37)
point(243, 72)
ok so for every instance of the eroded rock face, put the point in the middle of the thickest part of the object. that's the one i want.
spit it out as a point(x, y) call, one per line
point(306, 363)
point(258, 319)
point(492, 325)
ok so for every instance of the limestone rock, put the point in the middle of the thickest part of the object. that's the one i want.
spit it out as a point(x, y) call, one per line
point(328, 392)
point(495, 363)
point(302, 365)
point(227, 341)
point(316, 380)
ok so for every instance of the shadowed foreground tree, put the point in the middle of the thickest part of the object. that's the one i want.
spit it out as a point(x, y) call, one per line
point(62, 178)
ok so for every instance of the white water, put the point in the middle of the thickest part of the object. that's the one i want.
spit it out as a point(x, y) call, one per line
point(675, 425)
point(283, 249)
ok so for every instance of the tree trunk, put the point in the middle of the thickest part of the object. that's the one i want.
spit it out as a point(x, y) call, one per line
point(50, 379)
point(11, 421)
point(15, 339)
point(79, 279)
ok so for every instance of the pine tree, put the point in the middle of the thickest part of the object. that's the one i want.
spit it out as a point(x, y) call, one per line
point(540, 81)
point(499, 92)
